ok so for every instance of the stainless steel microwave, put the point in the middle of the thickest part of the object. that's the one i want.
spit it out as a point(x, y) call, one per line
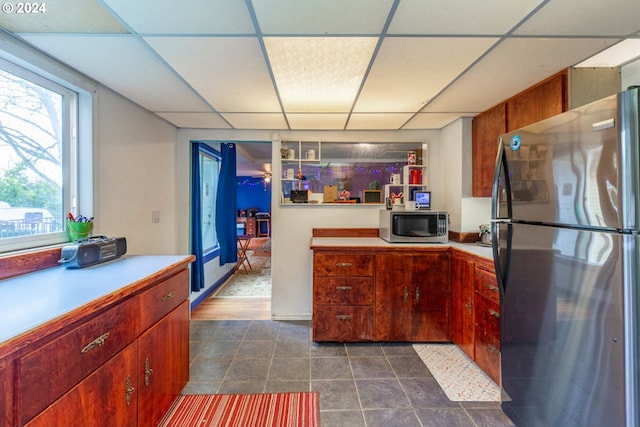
point(414, 226)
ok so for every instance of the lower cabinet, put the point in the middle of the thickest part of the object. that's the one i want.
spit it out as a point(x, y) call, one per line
point(121, 366)
point(476, 312)
point(6, 374)
point(163, 365)
point(412, 297)
point(342, 296)
point(106, 397)
point(462, 303)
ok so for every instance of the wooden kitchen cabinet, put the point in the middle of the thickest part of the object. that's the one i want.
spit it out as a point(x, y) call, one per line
point(109, 396)
point(163, 365)
point(487, 321)
point(342, 296)
point(462, 302)
point(412, 297)
point(120, 359)
point(485, 129)
point(539, 102)
point(6, 397)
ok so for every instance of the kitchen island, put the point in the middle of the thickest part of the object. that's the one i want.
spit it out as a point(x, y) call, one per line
point(104, 345)
point(367, 289)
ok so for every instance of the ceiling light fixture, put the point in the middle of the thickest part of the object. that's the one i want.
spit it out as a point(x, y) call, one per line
point(319, 74)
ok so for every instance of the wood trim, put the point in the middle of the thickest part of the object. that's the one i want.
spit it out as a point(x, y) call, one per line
point(460, 237)
point(28, 262)
point(345, 232)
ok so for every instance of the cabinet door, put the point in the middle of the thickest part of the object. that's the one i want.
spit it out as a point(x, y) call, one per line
point(393, 297)
point(6, 374)
point(485, 130)
point(163, 365)
point(462, 307)
point(540, 102)
point(107, 397)
point(431, 292)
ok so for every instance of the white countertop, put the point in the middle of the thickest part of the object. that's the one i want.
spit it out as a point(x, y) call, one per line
point(376, 242)
point(33, 299)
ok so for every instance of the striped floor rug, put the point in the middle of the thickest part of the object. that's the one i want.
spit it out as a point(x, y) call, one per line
point(244, 410)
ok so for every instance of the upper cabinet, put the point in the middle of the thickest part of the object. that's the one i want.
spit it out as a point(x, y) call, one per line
point(565, 90)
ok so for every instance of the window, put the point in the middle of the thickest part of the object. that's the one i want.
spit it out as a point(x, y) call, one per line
point(38, 158)
point(210, 172)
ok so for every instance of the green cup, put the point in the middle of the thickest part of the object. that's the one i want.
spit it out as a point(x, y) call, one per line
point(79, 230)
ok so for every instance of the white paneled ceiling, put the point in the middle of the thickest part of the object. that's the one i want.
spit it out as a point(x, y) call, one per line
point(323, 64)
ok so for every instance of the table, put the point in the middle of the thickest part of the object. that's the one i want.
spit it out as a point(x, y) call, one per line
point(243, 244)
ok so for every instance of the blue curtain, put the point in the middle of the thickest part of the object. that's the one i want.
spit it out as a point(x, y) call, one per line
point(226, 204)
point(197, 267)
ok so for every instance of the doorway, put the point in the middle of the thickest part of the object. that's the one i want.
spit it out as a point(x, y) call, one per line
point(246, 295)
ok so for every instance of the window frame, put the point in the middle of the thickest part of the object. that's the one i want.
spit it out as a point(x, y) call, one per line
point(204, 150)
point(77, 151)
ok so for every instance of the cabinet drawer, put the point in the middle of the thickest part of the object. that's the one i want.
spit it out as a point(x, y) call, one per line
point(488, 354)
point(487, 285)
point(342, 323)
point(48, 372)
point(162, 298)
point(343, 290)
point(488, 316)
point(337, 264)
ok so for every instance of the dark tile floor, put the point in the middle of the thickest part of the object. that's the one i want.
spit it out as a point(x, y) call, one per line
point(360, 384)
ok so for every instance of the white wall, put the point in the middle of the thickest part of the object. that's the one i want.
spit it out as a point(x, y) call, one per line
point(466, 212)
point(135, 173)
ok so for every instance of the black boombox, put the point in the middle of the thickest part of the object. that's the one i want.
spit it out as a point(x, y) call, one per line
point(92, 251)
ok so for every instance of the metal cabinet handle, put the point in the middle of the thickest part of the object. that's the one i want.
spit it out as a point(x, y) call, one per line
point(147, 372)
point(343, 317)
point(406, 293)
point(128, 391)
point(493, 288)
point(493, 313)
point(168, 296)
point(417, 294)
point(343, 288)
point(468, 306)
point(95, 343)
point(343, 264)
point(493, 349)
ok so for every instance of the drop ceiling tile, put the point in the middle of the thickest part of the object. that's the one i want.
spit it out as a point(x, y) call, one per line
point(126, 65)
point(195, 120)
point(319, 74)
point(324, 121)
point(511, 67)
point(587, 17)
point(61, 16)
point(190, 17)
point(408, 72)
point(490, 17)
point(321, 17)
point(377, 121)
point(230, 73)
point(256, 120)
point(434, 120)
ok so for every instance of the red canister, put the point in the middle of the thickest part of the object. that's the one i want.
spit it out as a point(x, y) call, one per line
point(415, 176)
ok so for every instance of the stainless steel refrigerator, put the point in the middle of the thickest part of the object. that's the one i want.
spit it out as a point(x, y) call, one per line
point(566, 244)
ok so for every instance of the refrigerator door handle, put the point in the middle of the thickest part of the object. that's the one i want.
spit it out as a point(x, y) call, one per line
point(501, 170)
point(501, 267)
